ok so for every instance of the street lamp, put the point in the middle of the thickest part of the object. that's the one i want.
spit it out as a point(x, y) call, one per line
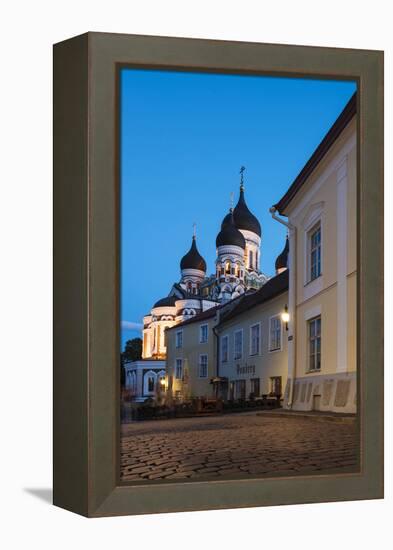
point(285, 317)
point(162, 383)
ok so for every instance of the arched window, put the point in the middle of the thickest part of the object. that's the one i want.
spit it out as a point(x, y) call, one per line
point(227, 268)
point(149, 383)
point(256, 259)
point(251, 259)
point(237, 270)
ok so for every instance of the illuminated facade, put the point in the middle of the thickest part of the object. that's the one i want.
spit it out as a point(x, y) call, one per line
point(237, 350)
point(238, 246)
point(237, 272)
point(321, 212)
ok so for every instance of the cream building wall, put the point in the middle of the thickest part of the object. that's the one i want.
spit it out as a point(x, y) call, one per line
point(191, 384)
point(154, 329)
point(264, 365)
point(328, 198)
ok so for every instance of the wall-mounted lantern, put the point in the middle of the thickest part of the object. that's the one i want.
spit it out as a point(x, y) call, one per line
point(285, 317)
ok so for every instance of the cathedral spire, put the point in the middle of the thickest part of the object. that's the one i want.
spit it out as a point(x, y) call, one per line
point(244, 219)
point(242, 168)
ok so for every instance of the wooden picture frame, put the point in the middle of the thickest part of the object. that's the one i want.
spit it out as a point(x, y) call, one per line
point(86, 271)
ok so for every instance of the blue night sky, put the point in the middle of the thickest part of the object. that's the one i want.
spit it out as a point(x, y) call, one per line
point(184, 137)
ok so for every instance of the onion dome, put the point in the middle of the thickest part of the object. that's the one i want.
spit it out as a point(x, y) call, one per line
point(229, 234)
point(193, 260)
point(168, 301)
point(282, 259)
point(227, 219)
point(244, 219)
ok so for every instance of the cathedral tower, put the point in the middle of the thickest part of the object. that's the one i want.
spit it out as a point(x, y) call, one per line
point(250, 227)
point(230, 270)
point(193, 269)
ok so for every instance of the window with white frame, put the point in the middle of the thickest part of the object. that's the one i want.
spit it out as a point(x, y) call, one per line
point(179, 339)
point(224, 349)
point(203, 334)
point(238, 344)
point(203, 365)
point(149, 382)
point(314, 344)
point(255, 337)
point(275, 333)
point(314, 246)
point(275, 385)
point(179, 369)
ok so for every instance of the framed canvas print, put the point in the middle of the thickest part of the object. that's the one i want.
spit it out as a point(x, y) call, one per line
point(218, 274)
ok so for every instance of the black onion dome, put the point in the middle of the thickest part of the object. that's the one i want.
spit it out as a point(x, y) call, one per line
point(168, 301)
point(244, 219)
point(229, 234)
point(193, 260)
point(282, 259)
point(226, 220)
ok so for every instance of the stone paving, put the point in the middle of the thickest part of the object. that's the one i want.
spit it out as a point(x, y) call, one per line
point(235, 446)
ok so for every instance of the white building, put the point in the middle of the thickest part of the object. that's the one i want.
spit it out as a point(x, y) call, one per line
point(321, 211)
point(144, 378)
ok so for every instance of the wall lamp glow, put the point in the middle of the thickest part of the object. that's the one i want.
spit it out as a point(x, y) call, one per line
point(285, 317)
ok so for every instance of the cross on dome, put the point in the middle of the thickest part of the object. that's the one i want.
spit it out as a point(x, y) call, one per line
point(242, 168)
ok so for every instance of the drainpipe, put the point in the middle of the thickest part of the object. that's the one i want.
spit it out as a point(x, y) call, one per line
point(217, 357)
point(291, 302)
point(218, 350)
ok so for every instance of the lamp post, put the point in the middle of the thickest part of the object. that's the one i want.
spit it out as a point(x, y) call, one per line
point(285, 317)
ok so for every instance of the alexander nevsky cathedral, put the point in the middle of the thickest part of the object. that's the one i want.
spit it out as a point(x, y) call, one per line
point(237, 272)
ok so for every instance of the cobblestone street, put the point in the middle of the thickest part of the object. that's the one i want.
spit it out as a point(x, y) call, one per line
point(236, 445)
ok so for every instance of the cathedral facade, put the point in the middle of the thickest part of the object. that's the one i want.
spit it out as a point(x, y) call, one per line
point(237, 272)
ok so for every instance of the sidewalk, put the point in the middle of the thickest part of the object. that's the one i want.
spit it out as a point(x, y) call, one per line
point(320, 416)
